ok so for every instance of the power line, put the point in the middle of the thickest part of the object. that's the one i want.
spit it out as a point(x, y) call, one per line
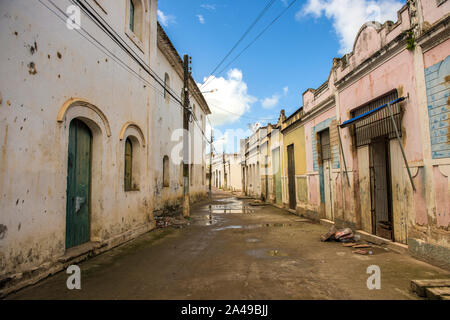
point(118, 60)
point(259, 35)
point(268, 5)
point(108, 32)
point(115, 36)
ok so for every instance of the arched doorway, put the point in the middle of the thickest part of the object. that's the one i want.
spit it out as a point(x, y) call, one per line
point(78, 184)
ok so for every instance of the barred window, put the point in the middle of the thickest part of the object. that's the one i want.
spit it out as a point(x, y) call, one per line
point(378, 124)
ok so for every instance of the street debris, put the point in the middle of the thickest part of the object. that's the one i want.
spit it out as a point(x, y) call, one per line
point(330, 235)
point(257, 203)
point(349, 244)
point(164, 222)
point(362, 246)
point(348, 239)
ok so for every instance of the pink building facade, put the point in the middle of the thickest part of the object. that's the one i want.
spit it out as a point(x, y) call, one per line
point(361, 171)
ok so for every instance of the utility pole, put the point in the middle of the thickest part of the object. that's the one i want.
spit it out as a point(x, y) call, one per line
point(186, 115)
point(225, 184)
point(210, 163)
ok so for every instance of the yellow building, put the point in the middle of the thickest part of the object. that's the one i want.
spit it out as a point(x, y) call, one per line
point(294, 182)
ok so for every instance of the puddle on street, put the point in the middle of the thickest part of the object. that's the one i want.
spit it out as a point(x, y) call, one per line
point(229, 227)
point(205, 220)
point(236, 211)
point(252, 240)
point(254, 226)
point(276, 253)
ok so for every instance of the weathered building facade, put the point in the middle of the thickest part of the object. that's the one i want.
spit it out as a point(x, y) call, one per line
point(370, 147)
point(252, 162)
point(89, 119)
point(226, 171)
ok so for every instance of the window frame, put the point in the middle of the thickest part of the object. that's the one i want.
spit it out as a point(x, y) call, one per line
point(166, 172)
point(128, 162)
point(166, 86)
point(137, 37)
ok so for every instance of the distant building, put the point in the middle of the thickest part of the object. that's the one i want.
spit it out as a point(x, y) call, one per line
point(226, 171)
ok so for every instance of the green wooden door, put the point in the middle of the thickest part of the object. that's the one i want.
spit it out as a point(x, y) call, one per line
point(78, 184)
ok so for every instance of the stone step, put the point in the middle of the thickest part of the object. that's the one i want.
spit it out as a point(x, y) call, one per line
point(420, 286)
point(441, 293)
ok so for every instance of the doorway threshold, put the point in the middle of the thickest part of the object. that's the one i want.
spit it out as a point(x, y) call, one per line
point(394, 246)
point(80, 250)
point(326, 222)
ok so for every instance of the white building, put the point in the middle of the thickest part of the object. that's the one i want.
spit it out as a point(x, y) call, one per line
point(226, 171)
point(91, 124)
point(251, 161)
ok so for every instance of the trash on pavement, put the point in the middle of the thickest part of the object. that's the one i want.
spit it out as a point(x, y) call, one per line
point(344, 234)
point(329, 235)
point(360, 251)
point(362, 246)
point(349, 244)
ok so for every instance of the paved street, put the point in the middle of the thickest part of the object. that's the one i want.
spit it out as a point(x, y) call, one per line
point(232, 250)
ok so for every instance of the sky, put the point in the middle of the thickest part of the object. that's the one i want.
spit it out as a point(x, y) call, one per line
point(294, 54)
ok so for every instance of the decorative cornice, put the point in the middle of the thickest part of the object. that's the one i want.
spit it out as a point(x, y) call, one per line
point(375, 60)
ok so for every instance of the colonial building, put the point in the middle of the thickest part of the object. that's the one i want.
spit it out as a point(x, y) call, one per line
point(251, 162)
point(91, 118)
point(226, 171)
point(370, 147)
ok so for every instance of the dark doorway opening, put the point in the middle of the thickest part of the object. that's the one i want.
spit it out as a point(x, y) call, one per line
point(380, 184)
point(291, 177)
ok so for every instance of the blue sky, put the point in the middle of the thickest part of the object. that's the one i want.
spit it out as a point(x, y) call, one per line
point(295, 54)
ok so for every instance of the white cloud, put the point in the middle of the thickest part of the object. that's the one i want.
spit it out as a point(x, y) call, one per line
point(349, 15)
point(208, 6)
point(201, 19)
point(229, 141)
point(165, 19)
point(270, 102)
point(230, 100)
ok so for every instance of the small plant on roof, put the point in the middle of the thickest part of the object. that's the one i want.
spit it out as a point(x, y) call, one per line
point(410, 41)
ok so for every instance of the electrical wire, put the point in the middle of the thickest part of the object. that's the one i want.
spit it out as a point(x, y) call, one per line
point(268, 5)
point(259, 35)
point(119, 61)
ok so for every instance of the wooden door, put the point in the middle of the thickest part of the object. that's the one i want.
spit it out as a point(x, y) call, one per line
point(291, 177)
point(327, 189)
point(326, 179)
point(276, 171)
point(266, 182)
point(78, 184)
point(380, 195)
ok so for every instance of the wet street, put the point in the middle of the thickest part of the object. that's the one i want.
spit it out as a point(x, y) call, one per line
point(232, 250)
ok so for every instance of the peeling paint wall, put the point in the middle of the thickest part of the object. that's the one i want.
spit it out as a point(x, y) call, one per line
point(49, 68)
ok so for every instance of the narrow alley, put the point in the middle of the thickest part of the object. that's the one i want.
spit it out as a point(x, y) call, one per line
point(234, 250)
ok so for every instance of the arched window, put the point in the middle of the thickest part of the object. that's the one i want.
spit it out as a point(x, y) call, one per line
point(128, 165)
point(135, 17)
point(131, 164)
point(166, 177)
point(166, 87)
